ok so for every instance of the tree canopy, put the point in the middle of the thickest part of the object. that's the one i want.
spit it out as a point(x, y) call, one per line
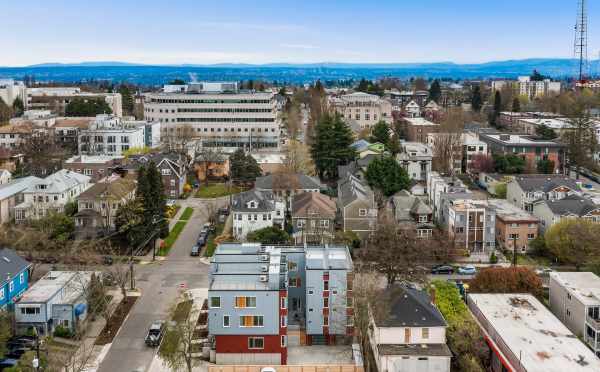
point(476, 99)
point(243, 167)
point(509, 164)
point(386, 175)
point(368, 86)
point(87, 107)
point(507, 280)
point(435, 91)
point(574, 241)
point(331, 145)
point(545, 132)
point(381, 133)
point(269, 235)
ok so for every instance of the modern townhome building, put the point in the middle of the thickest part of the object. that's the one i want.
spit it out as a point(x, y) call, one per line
point(264, 299)
point(57, 99)
point(287, 185)
point(14, 277)
point(531, 89)
point(357, 209)
point(111, 135)
point(11, 195)
point(532, 149)
point(407, 332)
point(515, 228)
point(50, 194)
point(217, 114)
point(411, 212)
point(523, 335)
point(362, 110)
point(437, 185)
point(313, 218)
point(57, 299)
point(417, 129)
point(575, 300)
point(573, 206)
point(524, 190)
point(172, 166)
point(415, 158)
point(67, 129)
point(97, 206)
point(254, 210)
point(96, 167)
point(471, 223)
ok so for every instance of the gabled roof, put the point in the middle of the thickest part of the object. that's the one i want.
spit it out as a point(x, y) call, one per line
point(287, 181)
point(58, 182)
point(572, 205)
point(117, 189)
point(310, 203)
point(351, 189)
point(171, 160)
point(11, 264)
point(545, 182)
point(406, 307)
point(16, 186)
point(264, 201)
point(406, 204)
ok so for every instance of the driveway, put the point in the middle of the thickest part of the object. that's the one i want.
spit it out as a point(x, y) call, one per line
point(160, 283)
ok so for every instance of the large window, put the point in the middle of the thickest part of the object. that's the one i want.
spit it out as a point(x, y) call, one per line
point(256, 342)
point(215, 302)
point(243, 302)
point(251, 321)
point(30, 310)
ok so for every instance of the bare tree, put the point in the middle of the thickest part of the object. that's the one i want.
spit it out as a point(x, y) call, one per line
point(176, 348)
point(206, 157)
point(448, 142)
point(298, 159)
point(178, 138)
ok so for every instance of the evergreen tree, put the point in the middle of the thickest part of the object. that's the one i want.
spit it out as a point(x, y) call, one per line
point(155, 204)
point(381, 133)
point(126, 99)
point(497, 108)
point(363, 86)
point(18, 106)
point(5, 112)
point(394, 145)
point(516, 105)
point(386, 175)
point(243, 168)
point(435, 91)
point(476, 100)
point(331, 145)
point(87, 107)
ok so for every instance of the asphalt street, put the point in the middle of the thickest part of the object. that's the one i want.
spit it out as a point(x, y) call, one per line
point(160, 283)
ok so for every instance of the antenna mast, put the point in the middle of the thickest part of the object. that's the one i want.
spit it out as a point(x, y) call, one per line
point(581, 28)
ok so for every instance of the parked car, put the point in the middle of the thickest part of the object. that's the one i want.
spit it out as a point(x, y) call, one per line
point(543, 271)
point(467, 270)
point(443, 269)
point(8, 363)
point(195, 251)
point(155, 333)
point(201, 240)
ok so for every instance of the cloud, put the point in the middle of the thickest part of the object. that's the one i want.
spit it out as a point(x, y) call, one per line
point(248, 26)
point(299, 46)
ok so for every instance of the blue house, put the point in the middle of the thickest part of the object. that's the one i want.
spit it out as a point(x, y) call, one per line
point(14, 277)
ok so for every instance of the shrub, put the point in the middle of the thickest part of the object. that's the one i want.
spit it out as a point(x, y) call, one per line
point(63, 332)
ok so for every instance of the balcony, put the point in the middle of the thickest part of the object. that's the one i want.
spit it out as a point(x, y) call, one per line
point(594, 323)
point(594, 345)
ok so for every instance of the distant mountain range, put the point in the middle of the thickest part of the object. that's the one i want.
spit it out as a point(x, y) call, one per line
point(290, 72)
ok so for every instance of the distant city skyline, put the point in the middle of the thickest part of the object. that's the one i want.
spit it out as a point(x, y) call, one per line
point(193, 32)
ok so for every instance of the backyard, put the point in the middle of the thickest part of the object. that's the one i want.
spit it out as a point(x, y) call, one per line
point(217, 190)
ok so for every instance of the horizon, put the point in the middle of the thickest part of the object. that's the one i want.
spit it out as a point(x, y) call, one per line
point(307, 32)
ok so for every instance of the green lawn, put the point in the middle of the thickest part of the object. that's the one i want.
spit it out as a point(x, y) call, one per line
point(187, 213)
point(211, 245)
point(217, 190)
point(172, 238)
point(528, 260)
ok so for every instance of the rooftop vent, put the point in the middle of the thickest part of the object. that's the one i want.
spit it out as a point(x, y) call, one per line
point(264, 278)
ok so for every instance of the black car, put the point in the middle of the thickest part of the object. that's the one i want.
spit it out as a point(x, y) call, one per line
point(443, 269)
point(201, 240)
point(155, 333)
point(195, 251)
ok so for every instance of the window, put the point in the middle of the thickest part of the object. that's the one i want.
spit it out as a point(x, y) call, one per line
point(513, 236)
point(244, 302)
point(301, 223)
point(425, 333)
point(283, 341)
point(325, 320)
point(294, 282)
point(326, 302)
point(165, 172)
point(215, 302)
point(292, 266)
point(251, 321)
point(362, 212)
point(422, 218)
point(530, 236)
point(324, 223)
point(30, 310)
point(22, 278)
point(226, 321)
point(283, 321)
point(283, 303)
point(11, 286)
point(256, 342)
point(1, 293)
point(407, 335)
point(310, 291)
point(326, 285)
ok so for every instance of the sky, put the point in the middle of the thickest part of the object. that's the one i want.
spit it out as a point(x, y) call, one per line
point(266, 31)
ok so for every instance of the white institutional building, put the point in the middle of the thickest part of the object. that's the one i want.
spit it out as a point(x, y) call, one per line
point(217, 114)
point(362, 110)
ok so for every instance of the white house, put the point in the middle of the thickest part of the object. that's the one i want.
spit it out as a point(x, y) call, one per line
point(254, 210)
point(51, 194)
point(408, 332)
point(412, 109)
point(416, 159)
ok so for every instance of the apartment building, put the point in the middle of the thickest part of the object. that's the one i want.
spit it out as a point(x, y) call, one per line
point(66, 131)
point(263, 299)
point(523, 335)
point(437, 185)
point(111, 135)
point(11, 90)
point(362, 110)
point(12, 136)
point(531, 89)
point(515, 228)
point(254, 210)
point(416, 159)
point(417, 129)
point(575, 301)
point(51, 194)
point(530, 148)
point(56, 99)
point(471, 224)
point(96, 167)
point(524, 190)
point(407, 332)
point(217, 114)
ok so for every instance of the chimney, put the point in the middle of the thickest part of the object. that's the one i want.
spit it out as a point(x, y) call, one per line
point(432, 293)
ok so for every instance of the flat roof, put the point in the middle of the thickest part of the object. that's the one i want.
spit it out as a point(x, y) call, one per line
point(532, 333)
point(518, 139)
point(71, 283)
point(419, 121)
point(585, 286)
point(509, 212)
